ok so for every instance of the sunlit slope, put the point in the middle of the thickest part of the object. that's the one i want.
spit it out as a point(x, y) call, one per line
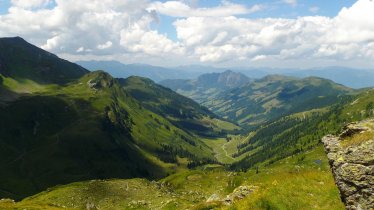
point(301, 182)
point(181, 111)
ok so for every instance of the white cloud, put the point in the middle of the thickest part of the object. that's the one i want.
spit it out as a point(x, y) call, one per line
point(291, 2)
point(180, 9)
point(137, 39)
point(107, 44)
point(78, 27)
point(30, 3)
point(349, 35)
point(124, 29)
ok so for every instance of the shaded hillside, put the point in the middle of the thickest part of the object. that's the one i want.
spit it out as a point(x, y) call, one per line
point(88, 128)
point(23, 61)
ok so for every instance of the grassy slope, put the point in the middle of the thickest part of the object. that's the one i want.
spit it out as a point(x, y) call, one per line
point(181, 111)
point(302, 131)
point(301, 182)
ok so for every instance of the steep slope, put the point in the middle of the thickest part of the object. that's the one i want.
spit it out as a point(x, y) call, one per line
point(181, 111)
point(87, 128)
point(299, 132)
point(207, 86)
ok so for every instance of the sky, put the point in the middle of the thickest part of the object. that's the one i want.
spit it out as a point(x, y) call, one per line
point(222, 33)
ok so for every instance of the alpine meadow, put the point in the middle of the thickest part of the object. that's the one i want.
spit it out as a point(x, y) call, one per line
point(187, 104)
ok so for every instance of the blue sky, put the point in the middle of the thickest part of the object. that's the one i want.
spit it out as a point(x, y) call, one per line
point(281, 33)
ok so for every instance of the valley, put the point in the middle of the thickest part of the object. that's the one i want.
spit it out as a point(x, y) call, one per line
point(77, 139)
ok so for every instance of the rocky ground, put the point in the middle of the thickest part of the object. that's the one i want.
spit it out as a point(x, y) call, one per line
point(351, 157)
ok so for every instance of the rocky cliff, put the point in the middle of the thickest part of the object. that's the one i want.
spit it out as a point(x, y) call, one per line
point(351, 157)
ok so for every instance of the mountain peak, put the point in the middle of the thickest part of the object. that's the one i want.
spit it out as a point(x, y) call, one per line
point(13, 39)
point(22, 60)
point(227, 78)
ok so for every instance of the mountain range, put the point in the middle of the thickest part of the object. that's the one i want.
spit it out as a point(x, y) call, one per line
point(79, 139)
point(253, 102)
point(350, 77)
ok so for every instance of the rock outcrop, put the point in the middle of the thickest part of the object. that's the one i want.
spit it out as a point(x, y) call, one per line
point(351, 157)
point(239, 193)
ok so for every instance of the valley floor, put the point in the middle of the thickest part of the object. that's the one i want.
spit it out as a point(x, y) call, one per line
point(300, 182)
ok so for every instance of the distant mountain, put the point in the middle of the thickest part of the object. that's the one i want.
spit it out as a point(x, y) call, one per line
point(354, 78)
point(207, 85)
point(155, 73)
point(350, 77)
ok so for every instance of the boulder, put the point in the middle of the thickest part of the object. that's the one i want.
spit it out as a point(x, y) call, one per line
point(353, 166)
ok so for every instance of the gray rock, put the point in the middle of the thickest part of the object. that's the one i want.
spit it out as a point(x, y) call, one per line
point(353, 167)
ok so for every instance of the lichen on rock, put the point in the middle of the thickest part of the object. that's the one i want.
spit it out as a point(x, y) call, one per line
point(353, 165)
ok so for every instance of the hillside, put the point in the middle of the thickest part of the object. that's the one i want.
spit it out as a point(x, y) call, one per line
point(302, 131)
point(301, 182)
point(181, 111)
point(90, 127)
point(271, 97)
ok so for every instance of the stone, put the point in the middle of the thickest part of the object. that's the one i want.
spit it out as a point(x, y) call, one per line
point(214, 197)
point(353, 167)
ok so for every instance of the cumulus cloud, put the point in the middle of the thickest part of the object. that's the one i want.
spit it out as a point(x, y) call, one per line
point(95, 26)
point(109, 28)
point(138, 38)
point(180, 9)
point(349, 35)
